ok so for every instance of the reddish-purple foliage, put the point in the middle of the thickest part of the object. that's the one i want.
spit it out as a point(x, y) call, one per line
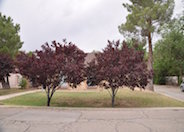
point(54, 65)
point(72, 62)
point(27, 67)
point(117, 66)
point(6, 67)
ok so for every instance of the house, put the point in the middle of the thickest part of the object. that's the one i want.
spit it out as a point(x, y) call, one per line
point(14, 80)
point(83, 85)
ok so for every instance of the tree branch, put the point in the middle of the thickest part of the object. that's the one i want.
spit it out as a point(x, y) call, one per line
point(109, 92)
point(48, 92)
point(116, 91)
point(53, 90)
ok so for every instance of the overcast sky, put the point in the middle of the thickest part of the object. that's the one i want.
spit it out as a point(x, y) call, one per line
point(87, 23)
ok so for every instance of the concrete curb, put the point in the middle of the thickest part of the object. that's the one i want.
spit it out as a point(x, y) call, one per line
point(91, 109)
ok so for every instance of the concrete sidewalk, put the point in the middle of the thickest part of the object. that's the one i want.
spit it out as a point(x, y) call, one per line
point(17, 94)
point(91, 120)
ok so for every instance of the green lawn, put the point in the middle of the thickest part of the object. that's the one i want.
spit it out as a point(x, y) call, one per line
point(124, 98)
point(11, 91)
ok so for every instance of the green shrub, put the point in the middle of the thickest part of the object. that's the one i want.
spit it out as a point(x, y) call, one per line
point(159, 79)
point(23, 83)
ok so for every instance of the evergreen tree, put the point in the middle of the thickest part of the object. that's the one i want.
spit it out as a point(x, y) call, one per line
point(144, 19)
point(9, 38)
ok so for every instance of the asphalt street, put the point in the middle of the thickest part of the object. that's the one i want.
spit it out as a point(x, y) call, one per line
point(91, 119)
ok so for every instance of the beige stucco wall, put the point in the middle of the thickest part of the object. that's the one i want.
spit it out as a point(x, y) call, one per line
point(14, 80)
point(83, 86)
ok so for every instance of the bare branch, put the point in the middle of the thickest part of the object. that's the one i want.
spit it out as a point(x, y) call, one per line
point(116, 90)
point(109, 93)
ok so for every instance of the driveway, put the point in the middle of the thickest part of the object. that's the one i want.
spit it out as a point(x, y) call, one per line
point(91, 120)
point(171, 91)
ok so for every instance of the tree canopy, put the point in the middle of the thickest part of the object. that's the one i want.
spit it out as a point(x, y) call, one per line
point(145, 18)
point(118, 66)
point(53, 65)
point(169, 51)
point(10, 41)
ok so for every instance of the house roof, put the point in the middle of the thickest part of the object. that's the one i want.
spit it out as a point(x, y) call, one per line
point(89, 57)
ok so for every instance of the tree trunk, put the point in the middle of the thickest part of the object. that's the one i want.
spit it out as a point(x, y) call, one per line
point(4, 84)
point(48, 101)
point(50, 93)
point(113, 97)
point(7, 81)
point(48, 97)
point(150, 63)
point(180, 77)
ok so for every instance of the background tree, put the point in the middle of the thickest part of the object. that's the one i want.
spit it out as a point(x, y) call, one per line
point(118, 66)
point(140, 45)
point(53, 65)
point(9, 38)
point(169, 52)
point(26, 64)
point(144, 19)
point(10, 41)
point(6, 67)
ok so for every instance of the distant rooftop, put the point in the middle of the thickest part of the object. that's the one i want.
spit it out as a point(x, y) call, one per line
point(90, 57)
